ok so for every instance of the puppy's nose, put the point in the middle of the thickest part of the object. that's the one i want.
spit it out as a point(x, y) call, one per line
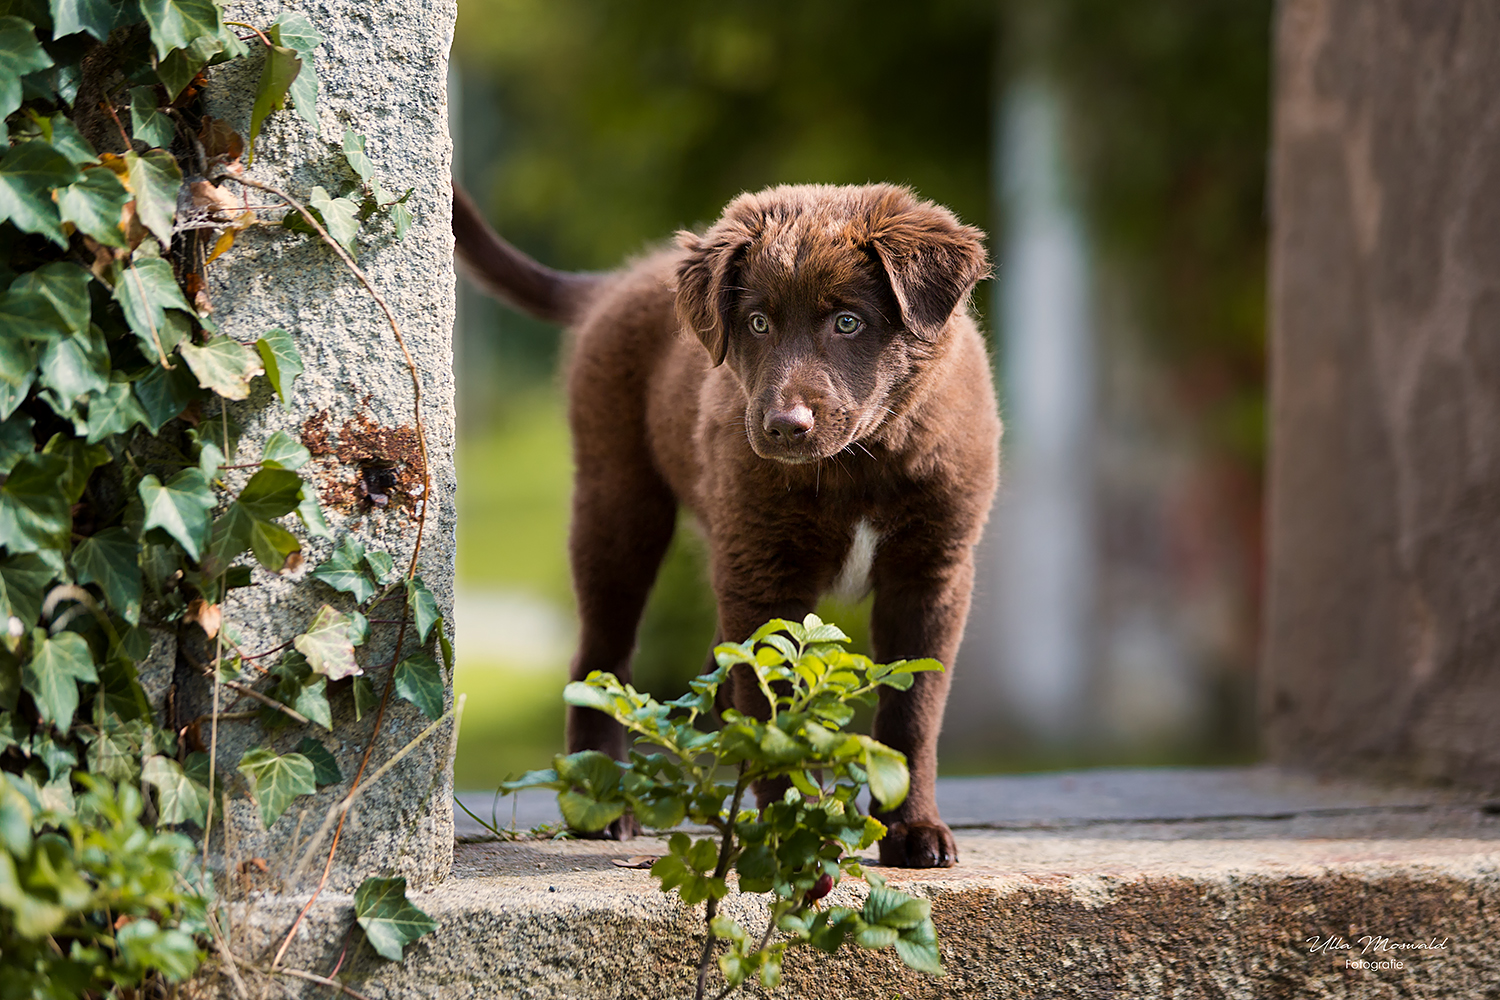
point(789, 425)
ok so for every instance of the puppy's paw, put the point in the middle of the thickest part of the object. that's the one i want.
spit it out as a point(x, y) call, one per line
point(919, 845)
point(624, 828)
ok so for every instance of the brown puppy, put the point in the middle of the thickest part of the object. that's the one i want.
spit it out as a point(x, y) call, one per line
point(805, 378)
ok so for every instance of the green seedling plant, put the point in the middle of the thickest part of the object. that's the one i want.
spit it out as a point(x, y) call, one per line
point(797, 848)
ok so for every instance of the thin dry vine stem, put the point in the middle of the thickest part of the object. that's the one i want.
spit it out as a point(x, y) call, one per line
point(411, 572)
point(711, 908)
point(311, 977)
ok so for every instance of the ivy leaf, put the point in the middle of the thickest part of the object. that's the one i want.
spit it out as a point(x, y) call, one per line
point(145, 291)
point(423, 607)
point(354, 155)
point(271, 493)
point(390, 921)
point(180, 508)
point(283, 364)
point(147, 123)
point(296, 32)
point(342, 571)
point(325, 767)
point(15, 821)
point(179, 799)
point(34, 514)
point(15, 441)
point(20, 53)
point(273, 545)
point(224, 365)
point(311, 516)
point(25, 318)
point(155, 178)
point(340, 216)
point(164, 393)
point(23, 584)
point(312, 701)
point(179, 68)
point(381, 565)
point(28, 173)
point(111, 559)
point(282, 451)
point(77, 365)
point(365, 698)
point(66, 287)
point(12, 395)
point(68, 141)
point(52, 675)
point(281, 68)
point(81, 460)
point(275, 780)
point(401, 216)
point(176, 24)
point(113, 411)
point(359, 628)
point(97, 17)
point(420, 681)
point(328, 646)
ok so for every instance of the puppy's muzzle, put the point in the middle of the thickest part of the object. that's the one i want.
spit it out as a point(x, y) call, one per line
point(789, 425)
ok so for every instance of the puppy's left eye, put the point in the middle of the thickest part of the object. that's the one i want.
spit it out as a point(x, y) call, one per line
point(847, 324)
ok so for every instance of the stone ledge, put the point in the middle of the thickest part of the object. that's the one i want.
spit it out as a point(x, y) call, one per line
point(1211, 903)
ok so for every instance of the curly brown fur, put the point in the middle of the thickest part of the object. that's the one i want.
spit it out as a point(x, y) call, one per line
point(805, 368)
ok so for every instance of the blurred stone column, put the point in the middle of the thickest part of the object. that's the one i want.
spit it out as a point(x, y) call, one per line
point(1383, 625)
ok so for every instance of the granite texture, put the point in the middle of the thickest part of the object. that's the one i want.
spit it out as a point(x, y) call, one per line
point(1226, 887)
point(383, 70)
point(1382, 649)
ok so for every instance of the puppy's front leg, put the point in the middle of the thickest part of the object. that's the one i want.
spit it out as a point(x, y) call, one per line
point(922, 590)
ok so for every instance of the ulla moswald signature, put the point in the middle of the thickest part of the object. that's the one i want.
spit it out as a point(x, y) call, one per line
point(1388, 952)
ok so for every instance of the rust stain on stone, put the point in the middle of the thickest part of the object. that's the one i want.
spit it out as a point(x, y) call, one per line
point(369, 466)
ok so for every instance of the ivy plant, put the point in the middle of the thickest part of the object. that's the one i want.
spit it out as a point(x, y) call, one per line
point(124, 512)
point(693, 764)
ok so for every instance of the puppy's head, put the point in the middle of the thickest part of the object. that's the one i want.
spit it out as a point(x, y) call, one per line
point(825, 302)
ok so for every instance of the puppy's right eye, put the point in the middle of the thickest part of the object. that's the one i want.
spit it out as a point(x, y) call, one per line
point(759, 324)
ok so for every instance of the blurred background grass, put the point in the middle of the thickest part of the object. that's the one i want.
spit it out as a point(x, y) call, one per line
point(590, 130)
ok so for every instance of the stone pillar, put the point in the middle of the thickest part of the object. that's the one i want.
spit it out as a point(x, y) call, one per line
point(1382, 644)
point(383, 72)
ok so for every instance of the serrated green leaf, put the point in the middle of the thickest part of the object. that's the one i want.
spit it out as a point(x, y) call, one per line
point(278, 351)
point(16, 441)
point(111, 559)
point(180, 507)
point(224, 365)
point(918, 948)
point(179, 799)
point(325, 767)
point(285, 452)
point(97, 17)
point(113, 411)
point(147, 123)
point(423, 607)
point(582, 812)
point(354, 155)
point(344, 570)
point(77, 365)
point(281, 67)
point(340, 217)
point(34, 515)
point(275, 780)
point(328, 647)
point(155, 179)
point(420, 681)
point(53, 673)
point(888, 776)
point(20, 53)
point(28, 173)
point(146, 289)
point(176, 24)
point(23, 585)
point(390, 920)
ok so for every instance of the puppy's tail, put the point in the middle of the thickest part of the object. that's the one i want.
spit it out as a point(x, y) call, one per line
point(510, 275)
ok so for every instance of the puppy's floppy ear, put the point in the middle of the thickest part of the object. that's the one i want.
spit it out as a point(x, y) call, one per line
point(931, 259)
point(706, 280)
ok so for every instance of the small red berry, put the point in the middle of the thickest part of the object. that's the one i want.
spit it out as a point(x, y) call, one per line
point(820, 888)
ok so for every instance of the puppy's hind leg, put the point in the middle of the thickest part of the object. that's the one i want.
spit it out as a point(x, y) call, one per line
point(623, 518)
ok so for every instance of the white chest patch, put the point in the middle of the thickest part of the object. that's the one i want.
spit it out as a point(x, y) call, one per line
point(853, 581)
